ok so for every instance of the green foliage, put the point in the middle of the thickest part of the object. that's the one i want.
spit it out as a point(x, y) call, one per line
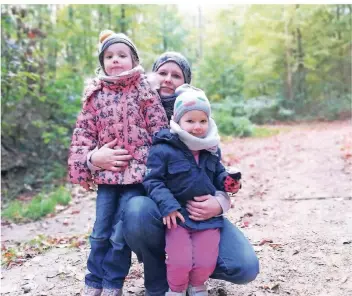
point(328, 109)
point(234, 126)
point(14, 211)
point(265, 110)
point(220, 71)
point(62, 196)
point(263, 132)
point(258, 110)
point(39, 206)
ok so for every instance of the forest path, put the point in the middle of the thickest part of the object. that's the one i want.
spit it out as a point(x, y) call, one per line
point(295, 207)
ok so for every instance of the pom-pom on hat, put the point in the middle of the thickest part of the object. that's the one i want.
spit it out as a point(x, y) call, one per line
point(190, 98)
point(108, 37)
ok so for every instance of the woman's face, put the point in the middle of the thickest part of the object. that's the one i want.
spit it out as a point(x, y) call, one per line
point(170, 77)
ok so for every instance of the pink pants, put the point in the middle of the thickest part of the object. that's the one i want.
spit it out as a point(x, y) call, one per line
point(191, 256)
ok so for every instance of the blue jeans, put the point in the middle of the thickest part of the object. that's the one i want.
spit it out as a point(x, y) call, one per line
point(110, 257)
point(144, 233)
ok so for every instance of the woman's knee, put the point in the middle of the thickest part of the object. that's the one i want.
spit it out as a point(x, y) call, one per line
point(237, 261)
point(244, 270)
point(250, 269)
point(140, 215)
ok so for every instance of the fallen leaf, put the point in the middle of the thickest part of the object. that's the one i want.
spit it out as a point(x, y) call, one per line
point(244, 224)
point(276, 246)
point(265, 241)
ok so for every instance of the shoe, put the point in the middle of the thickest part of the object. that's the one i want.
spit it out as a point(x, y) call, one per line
point(170, 293)
point(197, 291)
point(90, 291)
point(146, 293)
point(111, 292)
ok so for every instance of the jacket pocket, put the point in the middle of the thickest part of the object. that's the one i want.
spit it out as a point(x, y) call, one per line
point(179, 166)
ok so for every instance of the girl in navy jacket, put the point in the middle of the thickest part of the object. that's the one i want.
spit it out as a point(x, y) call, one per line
point(184, 162)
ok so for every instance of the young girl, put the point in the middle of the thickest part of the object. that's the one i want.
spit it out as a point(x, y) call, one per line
point(184, 162)
point(118, 105)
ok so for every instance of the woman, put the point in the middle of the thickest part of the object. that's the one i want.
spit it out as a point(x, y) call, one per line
point(143, 227)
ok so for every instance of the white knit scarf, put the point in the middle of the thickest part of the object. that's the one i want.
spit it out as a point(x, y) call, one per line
point(210, 142)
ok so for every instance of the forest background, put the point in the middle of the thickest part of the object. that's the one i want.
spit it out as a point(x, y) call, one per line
point(258, 64)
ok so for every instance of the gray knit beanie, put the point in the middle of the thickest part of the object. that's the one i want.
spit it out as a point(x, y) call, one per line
point(108, 37)
point(190, 98)
point(177, 58)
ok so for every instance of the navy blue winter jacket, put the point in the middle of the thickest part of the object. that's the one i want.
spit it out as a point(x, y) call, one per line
point(174, 177)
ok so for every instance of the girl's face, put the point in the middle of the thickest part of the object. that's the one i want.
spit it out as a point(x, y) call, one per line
point(117, 59)
point(170, 77)
point(195, 122)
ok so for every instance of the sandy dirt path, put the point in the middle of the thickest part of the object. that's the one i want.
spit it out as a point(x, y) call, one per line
point(295, 207)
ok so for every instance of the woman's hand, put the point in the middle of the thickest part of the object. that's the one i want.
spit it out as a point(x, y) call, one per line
point(111, 158)
point(170, 220)
point(203, 207)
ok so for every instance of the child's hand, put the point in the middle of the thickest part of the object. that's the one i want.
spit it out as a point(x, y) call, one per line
point(232, 182)
point(170, 219)
point(153, 80)
point(232, 185)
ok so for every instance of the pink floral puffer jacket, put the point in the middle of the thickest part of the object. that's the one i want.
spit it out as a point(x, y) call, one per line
point(126, 109)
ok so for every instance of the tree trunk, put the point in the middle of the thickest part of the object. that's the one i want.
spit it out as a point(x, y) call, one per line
point(109, 16)
point(41, 57)
point(71, 47)
point(101, 17)
point(123, 19)
point(200, 32)
point(52, 54)
point(301, 80)
point(288, 58)
point(338, 18)
point(163, 28)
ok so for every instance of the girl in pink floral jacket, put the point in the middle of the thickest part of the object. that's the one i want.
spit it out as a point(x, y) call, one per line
point(118, 104)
